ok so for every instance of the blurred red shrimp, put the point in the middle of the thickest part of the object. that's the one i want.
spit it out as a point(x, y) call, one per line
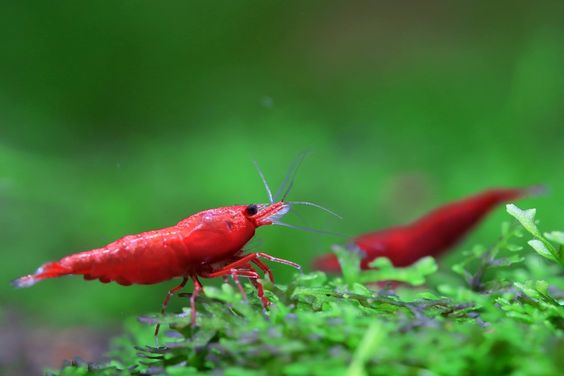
point(207, 244)
point(431, 235)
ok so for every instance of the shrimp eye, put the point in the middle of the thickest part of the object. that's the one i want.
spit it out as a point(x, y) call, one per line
point(251, 209)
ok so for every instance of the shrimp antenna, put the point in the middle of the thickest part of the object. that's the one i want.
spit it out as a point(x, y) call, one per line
point(309, 229)
point(307, 203)
point(270, 199)
point(288, 182)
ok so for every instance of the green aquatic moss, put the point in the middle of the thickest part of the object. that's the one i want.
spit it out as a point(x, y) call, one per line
point(502, 315)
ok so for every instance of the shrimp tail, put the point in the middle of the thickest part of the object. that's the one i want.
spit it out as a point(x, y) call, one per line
point(536, 190)
point(48, 270)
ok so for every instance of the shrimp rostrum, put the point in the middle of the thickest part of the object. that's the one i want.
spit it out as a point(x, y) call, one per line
point(207, 244)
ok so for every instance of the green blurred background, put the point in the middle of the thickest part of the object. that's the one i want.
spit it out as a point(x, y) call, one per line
point(122, 117)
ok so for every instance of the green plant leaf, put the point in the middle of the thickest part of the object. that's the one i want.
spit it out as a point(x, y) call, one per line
point(541, 249)
point(555, 236)
point(525, 217)
point(414, 274)
point(540, 244)
point(368, 346)
point(350, 263)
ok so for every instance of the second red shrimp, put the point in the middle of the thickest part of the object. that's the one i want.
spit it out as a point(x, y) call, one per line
point(431, 235)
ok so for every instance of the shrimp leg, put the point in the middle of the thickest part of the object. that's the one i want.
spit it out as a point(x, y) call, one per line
point(251, 274)
point(239, 286)
point(244, 262)
point(256, 283)
point(254, 257)
point(264, 268)
point(260, 292)
point(197, 288)
point(254, 278)
point(170, 293)
point(237, 283)
point(260, 288)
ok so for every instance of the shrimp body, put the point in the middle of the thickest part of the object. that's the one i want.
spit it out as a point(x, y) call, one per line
point(431, 235)
point(191, 247)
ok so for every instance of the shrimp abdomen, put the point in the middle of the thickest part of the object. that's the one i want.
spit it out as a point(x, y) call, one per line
point(144, 258)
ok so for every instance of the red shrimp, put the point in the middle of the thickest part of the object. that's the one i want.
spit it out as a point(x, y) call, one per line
point(207, 244)
point(431, 235)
